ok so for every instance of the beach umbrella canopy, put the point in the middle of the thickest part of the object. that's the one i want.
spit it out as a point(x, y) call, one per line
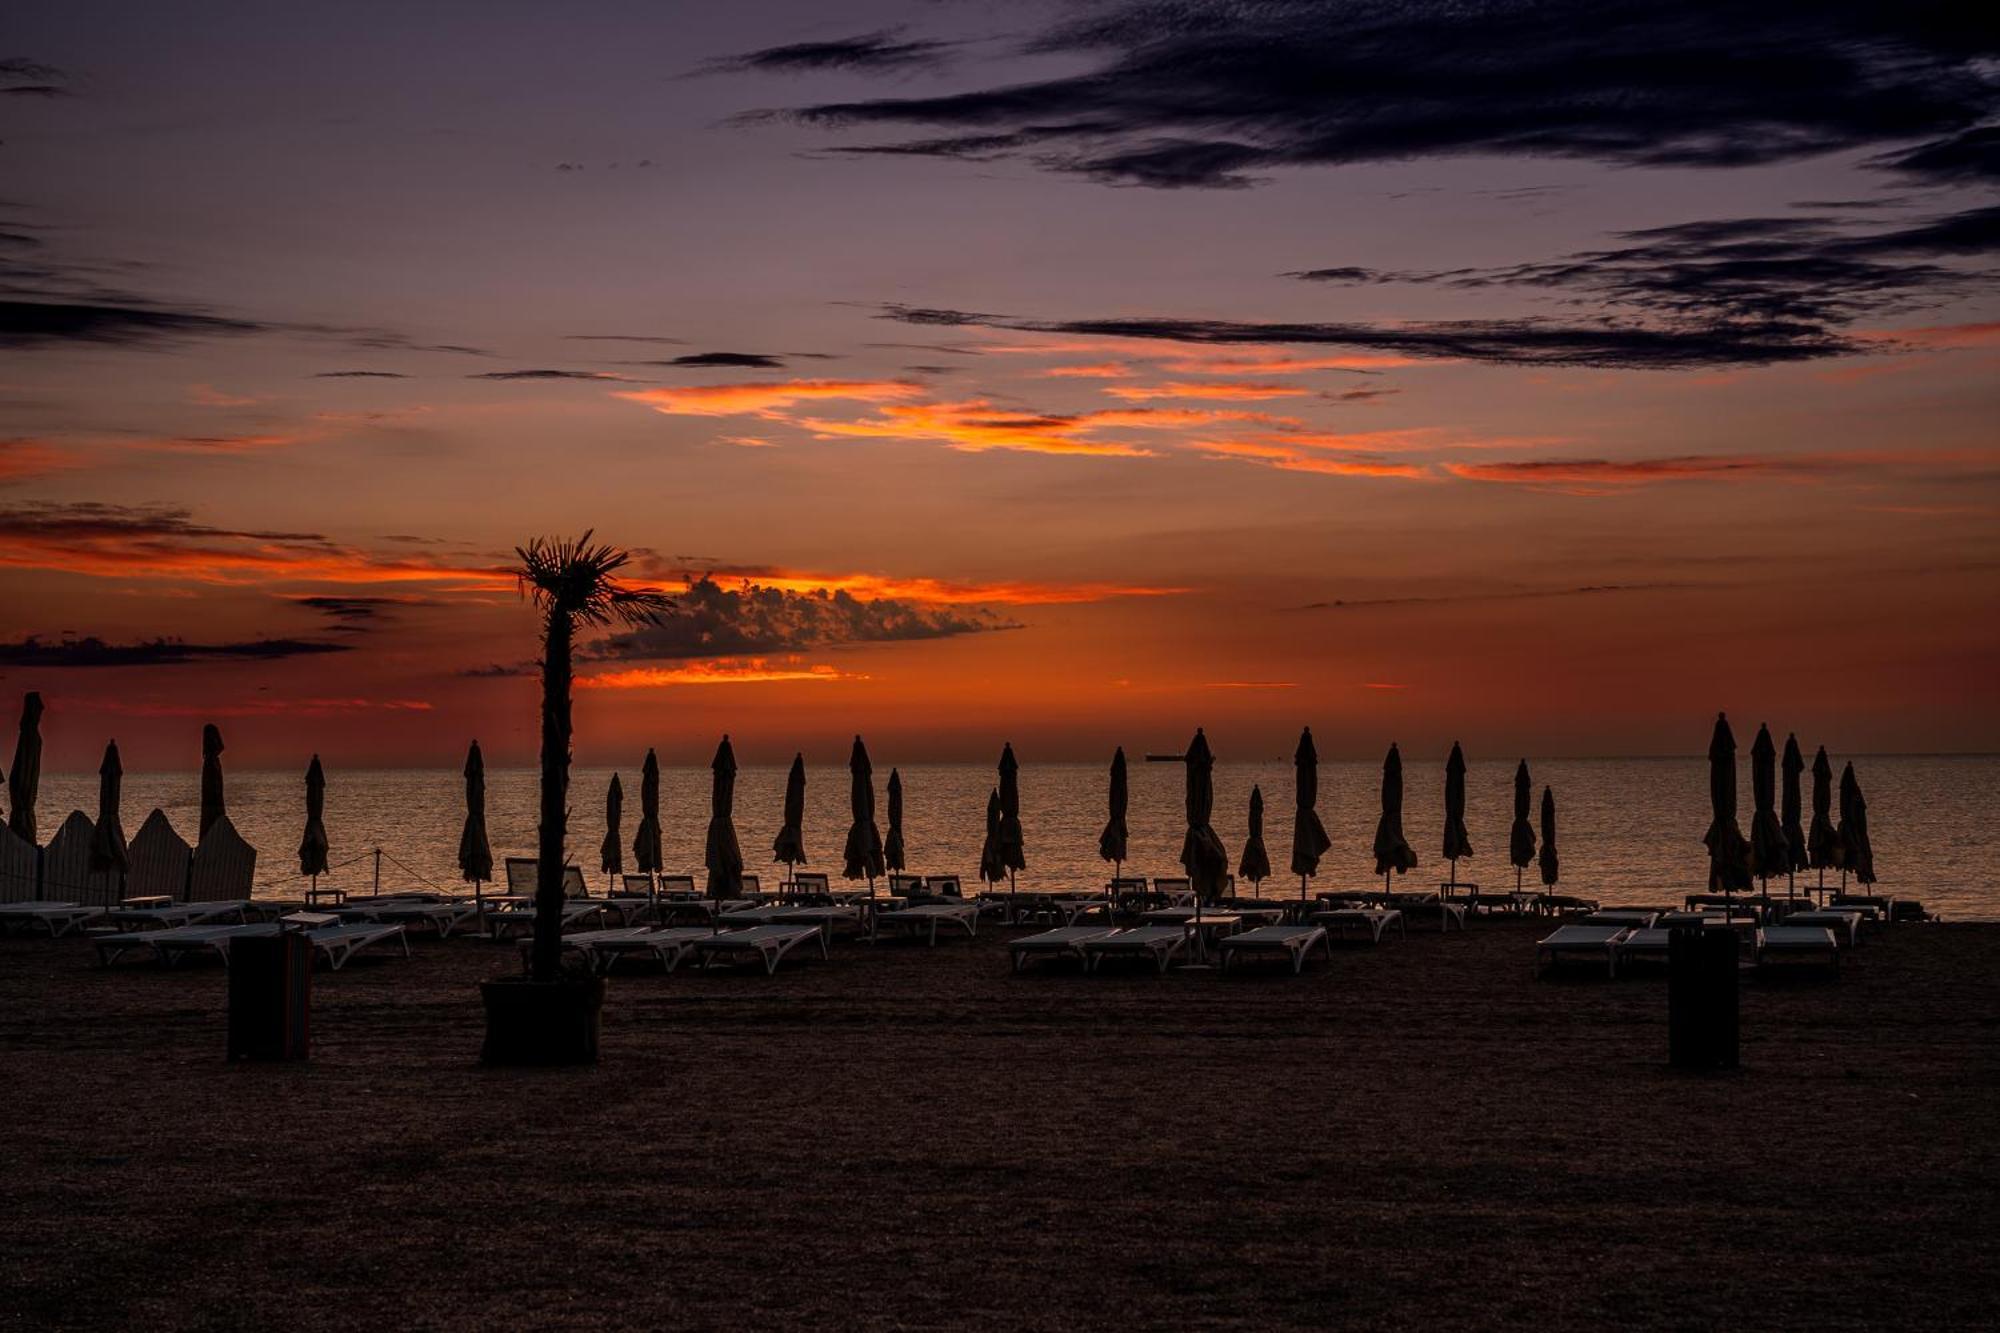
point(1013, 846)
point(24, 777)
point(312, 846)
point(1728, 850)
point(107, 837)
point(1309, 840)
point(1792, 813)
point(1856, 855)
point(647, 852)
point(892, 841)
point(992, 867)
point(212, 807)
point(611, 853)
point(1392, 849)
point(1456, 841)
point(1770, 854)
point(1521, 837)
point(723, 855)
point(864, 840)
point(1203, 856)
point(1256, 863)
point(790, 844)
point(1112, 843)
point(475, 854)
point(1550, 862)
point(1823, 843)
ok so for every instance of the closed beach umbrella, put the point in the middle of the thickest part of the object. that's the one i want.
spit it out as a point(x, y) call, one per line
point(1728, 851)
point(647, 856)
point(723, 856)
point(1857, 857)
point(1113, 842)
point(992, 868)
point(1550, 862)
point(475, 854)
point(1770, 854)
point(1456, 842)
point(1256, 863)
point(1823, 850)
point(1013, 842)
point(212, 807)
point(1309, 840)
point(1792, 812)
point(1392, 849)
point(611, 852)
point(312, 846)
point(1203, 856)
point(24, 777)
point(864, 840)
point(107, 839)
point(892, 841)
point(790, 844)
point(1521, 836)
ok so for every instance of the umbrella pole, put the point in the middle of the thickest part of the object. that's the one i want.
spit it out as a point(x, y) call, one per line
point(1013, 912)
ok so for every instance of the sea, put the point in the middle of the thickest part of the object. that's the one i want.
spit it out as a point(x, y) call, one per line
point(1628, 830)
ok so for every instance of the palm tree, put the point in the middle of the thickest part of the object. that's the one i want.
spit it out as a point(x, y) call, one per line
point(572, 583)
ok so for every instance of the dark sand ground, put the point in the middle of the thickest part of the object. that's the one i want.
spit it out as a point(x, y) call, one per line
point(1420, 1135)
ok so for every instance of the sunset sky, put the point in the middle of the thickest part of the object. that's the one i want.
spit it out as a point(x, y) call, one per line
point(1543, 376)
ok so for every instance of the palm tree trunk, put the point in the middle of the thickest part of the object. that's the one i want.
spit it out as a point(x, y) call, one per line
point(554, 825)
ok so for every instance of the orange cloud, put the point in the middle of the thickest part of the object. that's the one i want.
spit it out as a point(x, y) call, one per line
point(1221, 391)
point(207, 395)
point(975, 426)
point(728, 400)
point(1102, 370)
point(1600, 476)
point(22, 458)
point(930, 591)
point(1275, 452)
point(1275, 362)
point(216, 444)
point(1250, 685)
point(266, 708)
point(1984, 334)
point(742, 671)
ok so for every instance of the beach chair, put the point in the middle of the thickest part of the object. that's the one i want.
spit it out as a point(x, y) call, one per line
point(166, 945)
point(1071, 910)
point(1794, 945)
point(926, 920)
point(1064, 942)
point(1594, 944)
point(828, 917)
point(524, 877)
point(170, 915)
point(904, 885)
point(808, 885)
point(1372, 921)
point(667, 945)
point(1173, 891)
point(678, 887)
point(1630, 918)
point(767, 944)
point(1845, 924)
point(443, 915)
point(1293, 943)
point(513, 919)
point(1160, 945)
point(58, 919)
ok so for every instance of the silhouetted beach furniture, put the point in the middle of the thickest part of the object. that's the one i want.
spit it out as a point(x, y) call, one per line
point(442, 915)
point(1063, 942)
point(927, 919)
point(1128, 893)
point(825, 917)
point(1456, 841)
point(58, 919)
point(17, 868)
point(767, 944)
point(808, 885)
point(1293, 943)
point(1159, 945)
point(1371, 921)
point(1172, 891)
point(331, 938)
point(66, 864)
point(666, 945)
point(1203, 856)
point(1846, 926)
point(903, 884)
point(1559, 904)
point(1591, 944)
point(1796, 945)
point(164, 916)
point(223, 867)
point(1628, 917)
point(523, 878)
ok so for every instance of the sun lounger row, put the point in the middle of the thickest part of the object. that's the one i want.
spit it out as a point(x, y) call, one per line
point(333, 940)
point(1618, 947)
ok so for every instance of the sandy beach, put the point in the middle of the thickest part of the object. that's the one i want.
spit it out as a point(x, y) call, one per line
point(1421, 1134)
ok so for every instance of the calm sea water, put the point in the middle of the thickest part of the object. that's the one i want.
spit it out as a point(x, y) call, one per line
point(1629, 829)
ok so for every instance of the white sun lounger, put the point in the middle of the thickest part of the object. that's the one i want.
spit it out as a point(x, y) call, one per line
point(1063, 942)
point(334, 941)
point(164, 944)
point(926, 920)
point(177, 914)
point(1629, 918)
point(1160, 944)
point(769, 944)
point(1845, 924)
point(1807, 944)
point(442, 915)
point(1373, 920)
point(509, 920)
point(1596, 944)
point(1292, 942)
point(58, 919)
point(667, 944)
point(1074, 909)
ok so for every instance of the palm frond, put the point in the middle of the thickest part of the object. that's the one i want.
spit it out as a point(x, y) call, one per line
point(577, 578)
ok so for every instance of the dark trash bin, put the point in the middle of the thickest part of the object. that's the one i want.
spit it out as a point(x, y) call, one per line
point(270, 996)
point(1702, 997)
